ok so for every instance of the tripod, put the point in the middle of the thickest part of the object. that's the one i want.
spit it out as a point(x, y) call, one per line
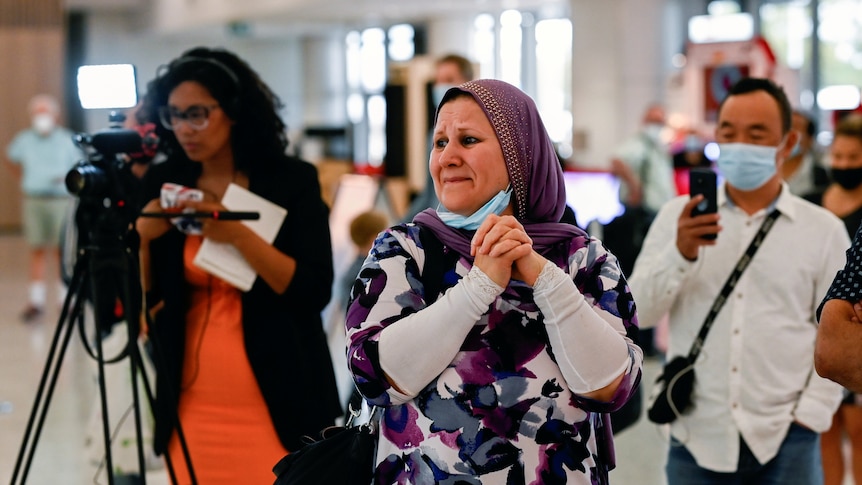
point(106, 273)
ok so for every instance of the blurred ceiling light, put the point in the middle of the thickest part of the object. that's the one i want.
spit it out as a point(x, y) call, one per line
point(722, 7)
point(839, 97)
point(720, 28)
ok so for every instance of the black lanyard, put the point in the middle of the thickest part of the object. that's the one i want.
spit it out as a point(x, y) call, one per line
point(731, 282)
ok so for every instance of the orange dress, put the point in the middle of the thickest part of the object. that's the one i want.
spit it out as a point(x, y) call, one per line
point(225, 420)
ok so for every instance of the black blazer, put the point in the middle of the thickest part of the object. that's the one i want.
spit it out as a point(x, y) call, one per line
point(284, 335)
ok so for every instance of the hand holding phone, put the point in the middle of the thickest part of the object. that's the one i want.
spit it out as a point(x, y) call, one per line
point(704, 182)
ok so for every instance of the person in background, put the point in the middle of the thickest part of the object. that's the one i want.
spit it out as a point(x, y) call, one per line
point(40, 157)
point(843, 197)
point(643, 165)
point(450, 71)
point(247, 372)
point(645, 170)
point(758, 405)
point(802, 170)
point(501, 366)
point(364, 228)
point(690, 156)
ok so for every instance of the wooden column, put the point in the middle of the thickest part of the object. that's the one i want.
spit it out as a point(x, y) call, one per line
point(32, 36)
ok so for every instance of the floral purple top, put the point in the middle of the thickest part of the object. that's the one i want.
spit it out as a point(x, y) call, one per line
point(501, 412)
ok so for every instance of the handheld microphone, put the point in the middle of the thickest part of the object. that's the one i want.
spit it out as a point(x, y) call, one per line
point(219, 215)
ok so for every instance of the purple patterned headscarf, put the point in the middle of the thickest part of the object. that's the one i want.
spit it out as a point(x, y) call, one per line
point(534, 169)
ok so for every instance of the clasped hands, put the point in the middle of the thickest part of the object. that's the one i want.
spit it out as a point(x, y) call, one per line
point(503, 251)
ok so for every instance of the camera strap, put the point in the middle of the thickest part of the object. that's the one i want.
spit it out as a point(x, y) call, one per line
point(731, 283)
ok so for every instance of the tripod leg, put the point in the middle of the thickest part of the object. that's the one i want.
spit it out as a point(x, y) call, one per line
point(133, 311)
point(49, 376)
point(139, 433)
point(148, 389)
point(100, 359)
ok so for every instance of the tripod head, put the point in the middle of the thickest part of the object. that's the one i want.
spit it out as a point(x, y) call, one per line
point(109, 192)
point(108, 204)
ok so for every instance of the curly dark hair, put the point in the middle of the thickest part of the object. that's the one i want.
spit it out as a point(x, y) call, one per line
point(258, 136)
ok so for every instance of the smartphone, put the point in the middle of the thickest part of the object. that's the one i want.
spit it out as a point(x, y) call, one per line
point(703, 181)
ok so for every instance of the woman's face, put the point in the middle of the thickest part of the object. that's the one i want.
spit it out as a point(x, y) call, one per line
point(846, 152)
point(210, 143)
point(467, 163)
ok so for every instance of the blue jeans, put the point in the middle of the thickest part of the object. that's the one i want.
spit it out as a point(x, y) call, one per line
point(797, 462)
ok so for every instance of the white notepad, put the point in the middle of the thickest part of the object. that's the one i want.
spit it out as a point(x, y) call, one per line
point(225, 261)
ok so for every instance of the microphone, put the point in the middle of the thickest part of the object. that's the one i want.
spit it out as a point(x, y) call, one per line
point(149, 144)
point(218, 215)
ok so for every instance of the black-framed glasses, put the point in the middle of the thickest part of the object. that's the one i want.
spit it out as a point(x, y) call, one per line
point(197, 116)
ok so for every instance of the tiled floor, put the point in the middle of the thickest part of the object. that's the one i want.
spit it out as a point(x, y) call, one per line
point(69, 448)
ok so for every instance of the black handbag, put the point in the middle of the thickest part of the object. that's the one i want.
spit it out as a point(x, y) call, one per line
point(673, 388)
point(342, 455)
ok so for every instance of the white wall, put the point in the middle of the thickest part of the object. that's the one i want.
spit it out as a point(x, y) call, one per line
point(618, 68)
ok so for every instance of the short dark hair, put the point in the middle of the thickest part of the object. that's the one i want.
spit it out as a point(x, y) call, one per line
point(850, 125)
point(465, 67)
point(811, 127)
point(751, 84)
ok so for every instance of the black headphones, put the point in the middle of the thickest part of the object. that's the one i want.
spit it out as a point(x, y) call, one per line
point(232, 105)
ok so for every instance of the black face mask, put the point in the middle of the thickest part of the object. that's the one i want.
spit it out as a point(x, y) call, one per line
point(849, 178)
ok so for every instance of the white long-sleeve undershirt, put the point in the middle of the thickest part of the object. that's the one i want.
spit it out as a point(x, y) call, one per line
point(590, 352)
point(407, 355)
point(417, 348)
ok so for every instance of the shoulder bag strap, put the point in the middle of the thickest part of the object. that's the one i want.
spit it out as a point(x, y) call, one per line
point(730, 283)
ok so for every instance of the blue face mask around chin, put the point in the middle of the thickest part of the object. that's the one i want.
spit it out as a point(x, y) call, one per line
point(496, 205)
point(746, 166)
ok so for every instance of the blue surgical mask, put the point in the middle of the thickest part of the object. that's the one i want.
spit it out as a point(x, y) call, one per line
point(746, 166)
point(653, 131)
point(693, 144)
point(496, 205)
point(439, 91)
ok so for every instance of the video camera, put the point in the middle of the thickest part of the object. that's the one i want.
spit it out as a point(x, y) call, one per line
point(108, 190)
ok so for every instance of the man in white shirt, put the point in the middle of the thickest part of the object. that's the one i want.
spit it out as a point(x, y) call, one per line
point(758, 405)
point(645, 170)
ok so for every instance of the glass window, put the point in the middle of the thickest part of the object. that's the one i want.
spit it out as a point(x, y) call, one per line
point(510, 47)
point(788, 27)
point(373, 60)
point(401, 45)
point(484, 44)
point(376, 129)
point(353, 42)
point(840, 35)
point(554, 80)
point(533, 55)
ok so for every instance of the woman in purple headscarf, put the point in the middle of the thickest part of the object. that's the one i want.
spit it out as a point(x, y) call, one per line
point(494, 337)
